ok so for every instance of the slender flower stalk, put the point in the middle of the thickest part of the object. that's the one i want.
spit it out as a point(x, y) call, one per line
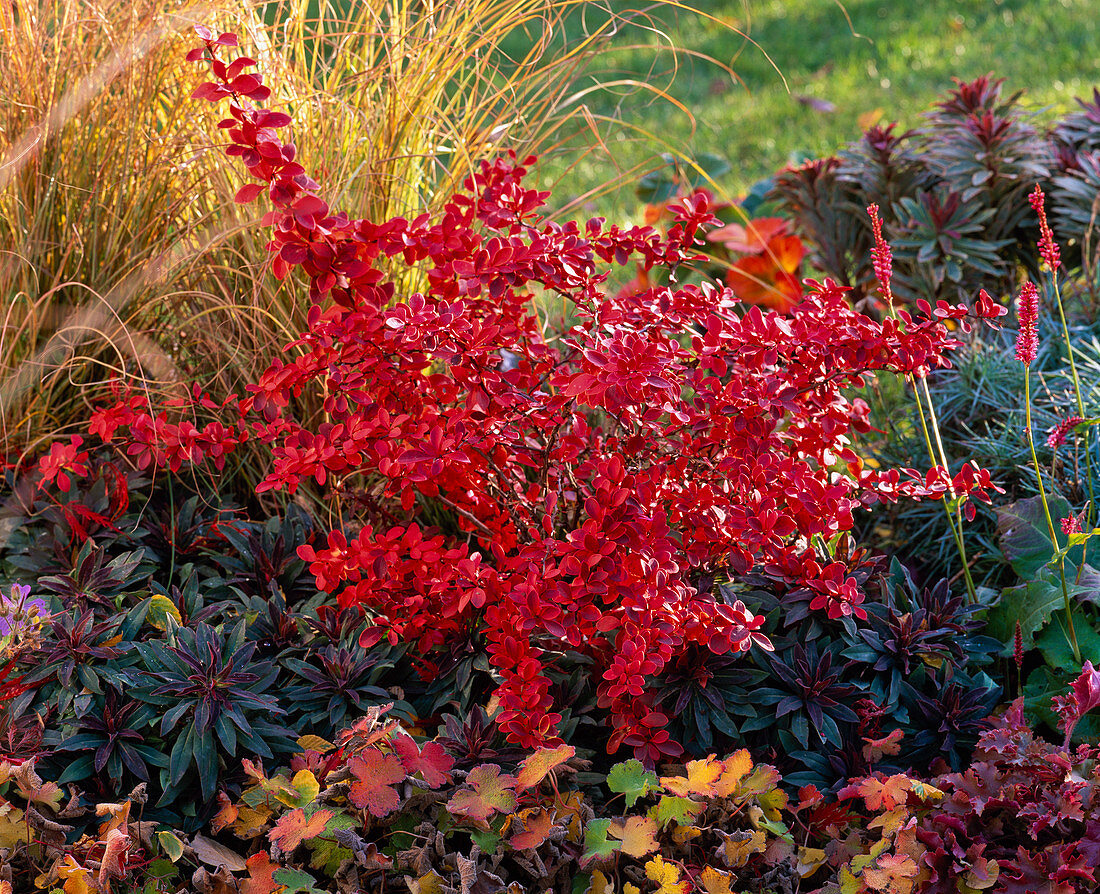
point(882, 259)
point(1018, 658)
point(1048, 250)
point(1027, 344)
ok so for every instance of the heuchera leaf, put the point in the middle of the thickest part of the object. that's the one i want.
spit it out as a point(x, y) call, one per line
point(737, 847)
point(297, 881)
point(376, 774)
point(666, 875)
point(491, 792)
point(879, 792)
point(295, 827)
point(638, 835)
point(714, 881)
point(894, 874)
point(600, 884)
point(536, 767)
point(78, 880)
point(684, 811)
point(260, 880)
point(735, 768)
point(633, 780)
point(1083, 697)
point(325, 853)
point(303, 791)
point(874, 749)
point(596, 844)
point(700, 780)
point(536, 827)
point(431, 761)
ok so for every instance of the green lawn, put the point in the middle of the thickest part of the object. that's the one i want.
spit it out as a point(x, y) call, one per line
point(862, 56)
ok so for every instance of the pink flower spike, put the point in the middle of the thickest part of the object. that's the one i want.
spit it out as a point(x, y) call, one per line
point(1027, 311)
point(1048, 248)
point(882, 258)
point(1058, 434)
point(1071, 524)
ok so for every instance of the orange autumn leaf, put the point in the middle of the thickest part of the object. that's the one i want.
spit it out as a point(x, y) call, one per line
point(666, 875)
point(786, 252)
point(490, 792)
point(890, 821)
point(638, 835)
point(260, 875)
point(251, 821)
point(734, 768)
point(883, 794)
point(119, 816)
point(739, 846)
point(684, 835)
point(890, 744)
point(32, 788)
point(867, 120)
point(537, 824)
point(894, 874)
point(376, 775)
point(77, 879)
point(538, 765)
point(700, 780)
point(295, 827)
point(226, 815)
point(810, 860)
point(599, 884)
point(431, 761)
point(714, 881)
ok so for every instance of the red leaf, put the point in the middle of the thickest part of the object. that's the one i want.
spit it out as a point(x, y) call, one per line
point(268, 118)
point(237, 66)
point(248, 192)
point(210, 91)
point(244, 83)
point(294, 828)
point(432, 761)
point(376, 773)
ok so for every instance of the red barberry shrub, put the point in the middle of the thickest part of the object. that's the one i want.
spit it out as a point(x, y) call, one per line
point(588, 479)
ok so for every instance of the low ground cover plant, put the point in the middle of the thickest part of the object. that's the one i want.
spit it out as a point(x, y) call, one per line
point(526, 586)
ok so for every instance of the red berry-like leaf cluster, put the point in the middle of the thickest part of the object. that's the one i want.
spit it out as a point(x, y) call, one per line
point(592, 478)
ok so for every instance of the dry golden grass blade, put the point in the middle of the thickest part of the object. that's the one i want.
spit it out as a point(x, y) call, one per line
point(121, 251)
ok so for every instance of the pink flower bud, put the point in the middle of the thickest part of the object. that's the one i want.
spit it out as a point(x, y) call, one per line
point(1048, 248)
point(1057, 436)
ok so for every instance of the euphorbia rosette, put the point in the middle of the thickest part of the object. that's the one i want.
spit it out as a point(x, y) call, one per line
point(592, 479)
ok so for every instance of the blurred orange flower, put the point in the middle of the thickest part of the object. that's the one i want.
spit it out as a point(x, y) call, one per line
point(768, 272)
point(752, 238)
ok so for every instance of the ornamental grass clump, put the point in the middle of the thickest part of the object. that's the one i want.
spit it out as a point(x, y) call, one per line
point(122, 259)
